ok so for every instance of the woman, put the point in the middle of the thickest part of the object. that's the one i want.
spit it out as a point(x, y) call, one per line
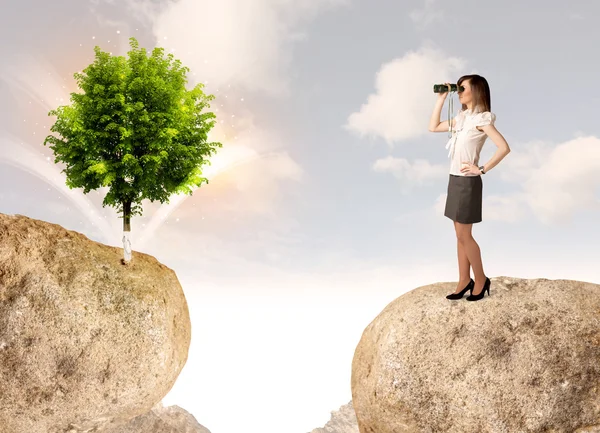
point(472, 125)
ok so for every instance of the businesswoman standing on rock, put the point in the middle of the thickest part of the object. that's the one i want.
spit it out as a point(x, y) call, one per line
point(472, 125)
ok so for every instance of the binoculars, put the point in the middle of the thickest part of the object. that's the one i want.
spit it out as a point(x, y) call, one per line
point(442, 88)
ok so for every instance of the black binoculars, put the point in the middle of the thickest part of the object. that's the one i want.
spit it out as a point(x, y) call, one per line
point(442, 88)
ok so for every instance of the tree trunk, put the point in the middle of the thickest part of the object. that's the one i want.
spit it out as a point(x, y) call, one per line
point(126, 231)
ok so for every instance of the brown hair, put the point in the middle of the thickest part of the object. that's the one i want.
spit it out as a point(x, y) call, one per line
point(480, 91)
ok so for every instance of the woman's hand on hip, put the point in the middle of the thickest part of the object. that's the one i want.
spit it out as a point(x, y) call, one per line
point(470, 168)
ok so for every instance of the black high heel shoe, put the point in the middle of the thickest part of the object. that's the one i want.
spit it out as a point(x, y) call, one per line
point(486, 286)
point(462, 292)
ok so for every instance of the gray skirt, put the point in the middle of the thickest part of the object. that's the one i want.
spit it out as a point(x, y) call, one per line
point(463, 203)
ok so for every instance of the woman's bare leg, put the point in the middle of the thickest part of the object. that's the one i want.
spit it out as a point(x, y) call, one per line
point(464, 266)
point(471, 249)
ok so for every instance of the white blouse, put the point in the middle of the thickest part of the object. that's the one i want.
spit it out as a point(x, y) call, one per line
point(467, 141)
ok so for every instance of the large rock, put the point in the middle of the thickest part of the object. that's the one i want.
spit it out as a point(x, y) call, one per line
point(160, 419)
point(85, 342)
point(342, 421)
point(525, 359)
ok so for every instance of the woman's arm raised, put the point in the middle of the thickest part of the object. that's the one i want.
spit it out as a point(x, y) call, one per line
point(434, 124)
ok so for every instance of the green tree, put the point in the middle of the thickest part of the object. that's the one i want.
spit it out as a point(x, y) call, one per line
point(136, 129)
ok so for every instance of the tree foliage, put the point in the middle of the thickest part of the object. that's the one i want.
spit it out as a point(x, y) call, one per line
point(135, 129)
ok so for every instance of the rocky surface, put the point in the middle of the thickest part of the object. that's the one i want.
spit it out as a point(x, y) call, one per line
point(160, 419)
point(85, 342)
point(342, 421)
point(525, 359)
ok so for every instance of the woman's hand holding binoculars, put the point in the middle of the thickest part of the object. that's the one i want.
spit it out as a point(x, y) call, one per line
point(442, 96)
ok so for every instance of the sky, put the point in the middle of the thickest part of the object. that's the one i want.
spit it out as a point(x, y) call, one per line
point(326, 201)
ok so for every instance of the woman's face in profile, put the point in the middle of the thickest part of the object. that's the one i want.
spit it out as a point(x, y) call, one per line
point(465, 96)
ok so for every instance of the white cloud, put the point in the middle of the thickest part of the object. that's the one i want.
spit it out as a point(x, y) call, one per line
point(259, 182)
point(234, 42)
point(416, 174)
point(430, 14)
point(255, 166)
point(401, 106)
point(143, 10)
point(508, 208)
point(440, 204)
point(566, 182)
